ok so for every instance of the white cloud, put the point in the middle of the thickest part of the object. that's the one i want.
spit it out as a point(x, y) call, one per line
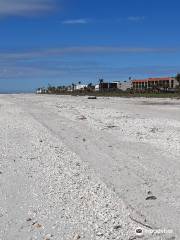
point(76, 21)
point(136, 18)
point(25, 7)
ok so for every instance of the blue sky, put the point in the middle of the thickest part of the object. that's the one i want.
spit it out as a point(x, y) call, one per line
point(65, 41)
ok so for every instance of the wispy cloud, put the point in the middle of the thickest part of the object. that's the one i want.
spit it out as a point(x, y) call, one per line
point(25, 7)
point(76, 21)
point(49, 63)
point(80, 70)
point(136, 18)
point(21, 55)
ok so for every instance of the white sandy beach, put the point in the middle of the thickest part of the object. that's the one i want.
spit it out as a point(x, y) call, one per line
point(73, 168)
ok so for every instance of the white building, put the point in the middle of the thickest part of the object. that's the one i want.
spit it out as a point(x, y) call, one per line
point(80, 86)
point(124, 86)
point(39, 91)
point(97, 87)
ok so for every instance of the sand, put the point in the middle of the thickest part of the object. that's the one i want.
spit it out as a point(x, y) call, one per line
point(79, 168)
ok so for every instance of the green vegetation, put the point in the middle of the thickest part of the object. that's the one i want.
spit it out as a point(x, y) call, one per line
point(127, 94)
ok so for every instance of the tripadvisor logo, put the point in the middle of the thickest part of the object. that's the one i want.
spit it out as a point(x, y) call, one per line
point(139, 232)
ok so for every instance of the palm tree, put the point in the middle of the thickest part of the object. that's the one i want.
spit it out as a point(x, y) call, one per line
point(89, 86)
point(101, 80)
point(59, 89)
point(51, 89)
point(73, 86)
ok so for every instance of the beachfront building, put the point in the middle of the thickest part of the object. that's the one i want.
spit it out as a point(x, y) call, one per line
point(115, 85)
point(106, 86)
point(97, 87)
point(168, 83)
point(125, 85)
point(41, 90)
point(80, 87)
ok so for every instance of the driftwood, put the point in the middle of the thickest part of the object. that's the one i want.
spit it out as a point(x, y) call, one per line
point(92, 97)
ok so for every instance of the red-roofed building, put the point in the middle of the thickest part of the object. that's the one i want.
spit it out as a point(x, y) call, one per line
point(155, 83)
